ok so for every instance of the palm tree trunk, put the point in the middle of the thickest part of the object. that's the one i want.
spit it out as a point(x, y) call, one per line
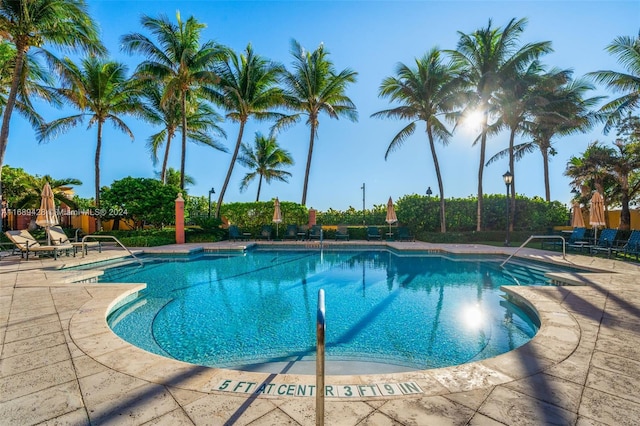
point(436, 166)
point(259, 188)
point(306, 172)
point(11, 102)
point(183, 106)
point(97, 177)
point(233, 162)
point(545, 165)
point(483, 144)
point(165, 160)
point(512, 166)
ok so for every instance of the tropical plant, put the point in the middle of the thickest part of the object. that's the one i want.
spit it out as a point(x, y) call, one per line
point(24, 191)
point(627, 49)
point(489, 57)
point(172, 177)
point(36, 24)
point(265, 159)
point(179, 61)
point(202, 120)
point(313, 87)
point(426, 93)
point(247, 88)
point(102, 92)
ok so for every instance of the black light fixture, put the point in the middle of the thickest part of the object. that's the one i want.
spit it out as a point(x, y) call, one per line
point(508, 178)
point(211, 191)
point(429, 192)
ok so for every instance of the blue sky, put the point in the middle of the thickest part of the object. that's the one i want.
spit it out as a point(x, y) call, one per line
point(370, 37)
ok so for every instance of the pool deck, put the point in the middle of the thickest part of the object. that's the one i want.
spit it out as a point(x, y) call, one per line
point(60, 363)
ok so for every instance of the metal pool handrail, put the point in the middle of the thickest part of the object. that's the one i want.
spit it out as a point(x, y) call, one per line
point(111, 237)
point(320, 328)
point(542, 237)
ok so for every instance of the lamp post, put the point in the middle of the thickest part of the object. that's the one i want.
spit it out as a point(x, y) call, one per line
point(363, 207)
point(508, 178)
point(211, 191)
point(429, 192)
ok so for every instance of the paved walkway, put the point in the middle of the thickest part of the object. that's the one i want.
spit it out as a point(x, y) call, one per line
point(61, 364)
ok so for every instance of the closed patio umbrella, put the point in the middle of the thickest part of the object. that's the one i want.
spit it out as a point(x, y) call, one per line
point(47, 216)
point(277, 214)
point(596, 214)
point(391, 214)
point(577, 221)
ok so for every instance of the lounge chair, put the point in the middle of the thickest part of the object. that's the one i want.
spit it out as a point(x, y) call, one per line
point(576, 240)
point(605, 243)
point(25, 242)
point(58, 237)
point(402, 234)
point(632, 246)
point(265, 232)
point(235, 234)
point(373, 233)
point(315, 232)
point(302, 233)
point(342, 233)
point(291, 233)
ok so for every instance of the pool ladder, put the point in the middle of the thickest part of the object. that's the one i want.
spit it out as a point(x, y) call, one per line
point(110, 237)
point(539, 237)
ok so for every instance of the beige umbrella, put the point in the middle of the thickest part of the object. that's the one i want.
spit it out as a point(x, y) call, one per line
point(596, 214)
point(577, 220)
point(391, 214)
point(277, 214)
point(47, 216)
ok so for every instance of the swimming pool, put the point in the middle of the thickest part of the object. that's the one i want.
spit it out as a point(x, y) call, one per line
point(386, 311)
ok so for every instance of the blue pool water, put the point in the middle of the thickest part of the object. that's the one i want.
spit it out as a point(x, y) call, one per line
point(408, 311)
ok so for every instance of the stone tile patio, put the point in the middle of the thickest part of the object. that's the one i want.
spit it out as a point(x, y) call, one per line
point(61, 364)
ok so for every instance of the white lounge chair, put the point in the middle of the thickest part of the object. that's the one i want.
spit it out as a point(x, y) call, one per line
point(58, 237)
point(25, 242)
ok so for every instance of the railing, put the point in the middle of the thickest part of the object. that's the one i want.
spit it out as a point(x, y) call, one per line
point(320, 328)
point(110, 237)
point(540, 237)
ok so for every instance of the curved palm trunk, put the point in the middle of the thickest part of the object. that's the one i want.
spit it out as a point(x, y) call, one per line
point(11, 102)
point(97, 169)
point(306, 172)
point(233, 162)
point(183, 107)
point(483, 145)
point(165, 160)
point(436, 166)
point(259, 188)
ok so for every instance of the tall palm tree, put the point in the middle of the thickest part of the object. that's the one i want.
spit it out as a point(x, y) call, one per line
point(202, 121)
point(265, 159)
point(521, 95)
point(33, 24)
point(314, 87)
point(489, 56)
point(31, 195)
point(101, 91)
point(566, 111)
point(178, 60)
point(247, 88)
point(426, 93)
point(627, 49)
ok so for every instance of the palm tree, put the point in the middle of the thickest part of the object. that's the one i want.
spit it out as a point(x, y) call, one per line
point(425, 93)
point(31, 194)
point(173, 177)
point(314, 87)
point(33, 24)
point(565, 112)
point(266, 160)
point(178, 61)
point(202, 120)
point(627, 49)
point(489, 56)
point(101, 91)
point(247, 88)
